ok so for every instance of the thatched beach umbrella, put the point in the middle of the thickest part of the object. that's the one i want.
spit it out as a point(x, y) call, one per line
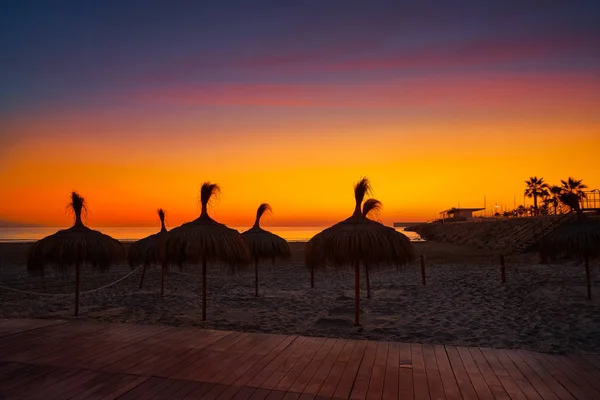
point(150, 251)
point(205, 241)
point(74, 247)
point(576, 238)
point(264, 244)
point(358, 241)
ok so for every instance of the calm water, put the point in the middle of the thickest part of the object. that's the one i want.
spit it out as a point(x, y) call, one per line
point(290, 233)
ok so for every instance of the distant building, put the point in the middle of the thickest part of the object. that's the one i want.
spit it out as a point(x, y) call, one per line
point(460, 214)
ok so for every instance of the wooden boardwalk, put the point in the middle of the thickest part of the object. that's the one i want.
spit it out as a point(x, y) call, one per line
point(48, 359)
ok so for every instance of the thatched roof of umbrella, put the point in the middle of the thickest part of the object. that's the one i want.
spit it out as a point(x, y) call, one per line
point(206, 240)
point(576, 238)
point(145, 251)
point(359, 239)
point(264, 244)
point(74, 246)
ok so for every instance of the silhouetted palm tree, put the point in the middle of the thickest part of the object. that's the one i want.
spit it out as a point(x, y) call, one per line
point(571, 193)
point(573, 185)
point(536, 187)
point(554, 198)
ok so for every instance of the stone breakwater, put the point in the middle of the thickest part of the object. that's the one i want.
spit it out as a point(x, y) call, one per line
point(492, 234)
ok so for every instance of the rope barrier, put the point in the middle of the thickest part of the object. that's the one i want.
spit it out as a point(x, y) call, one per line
point(71, 294)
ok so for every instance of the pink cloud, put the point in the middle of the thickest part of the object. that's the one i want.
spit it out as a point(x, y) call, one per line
point(438, 55)
point(466, 91)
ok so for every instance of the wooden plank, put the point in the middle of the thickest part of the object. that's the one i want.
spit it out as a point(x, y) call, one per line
point(314, 386)
point(517, 376)
point(376, 382)
point(299, 366)
point(139, 392)
point(477, 379)
point(258, 346)
point(247, 372)
point(192, 356)
point(502, 374)
point(434, 379)
point(346, 382)
point(391, 379)
point(451, 389)
point(269, 371)
point(208, 356)
point(363, 376)
point(259, 394)
point(569, 384)
point(56, 390)
point(463, 380)
point(224, 360)
point(546, 376)
point(115, 386)
point(405, 372)
point(591, 376)
point(531, 376)
point(488, 374)
point(419, 373)
point(184, 390)
point(25, 377)
point(284, 367)
point(575, 377)
point(235, 379)
point(312, 367)
point(202, 356)
point(335, 374)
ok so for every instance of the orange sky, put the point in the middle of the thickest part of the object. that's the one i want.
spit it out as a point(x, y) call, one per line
point(438, 106)
point(417, 167)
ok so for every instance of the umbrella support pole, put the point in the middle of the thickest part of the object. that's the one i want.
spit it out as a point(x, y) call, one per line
point(357, 293)
point(423, 278)
point(368, 283)
point(502, 270)
point(312, 277)
point(163, 272)
point(256, 278)
point(588, 281)
point(77, 276)
point(203, 290)
point(143, 275)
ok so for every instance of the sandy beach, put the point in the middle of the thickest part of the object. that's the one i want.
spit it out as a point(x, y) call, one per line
point(541, 307)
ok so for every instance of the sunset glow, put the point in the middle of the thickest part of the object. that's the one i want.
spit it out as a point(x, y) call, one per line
point(434, 114)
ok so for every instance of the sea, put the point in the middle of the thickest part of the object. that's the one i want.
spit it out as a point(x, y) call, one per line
point(290, 233)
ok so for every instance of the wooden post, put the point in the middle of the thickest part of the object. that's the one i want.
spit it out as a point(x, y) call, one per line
point(77, 275)
point(357, 293)
point(203, 289)
point(423, 278)
point(588, 280)
point(312, 277)
point(256, 277)
point(502, 269)
point(368, 283)
point(143, 274)
point(163, 271)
